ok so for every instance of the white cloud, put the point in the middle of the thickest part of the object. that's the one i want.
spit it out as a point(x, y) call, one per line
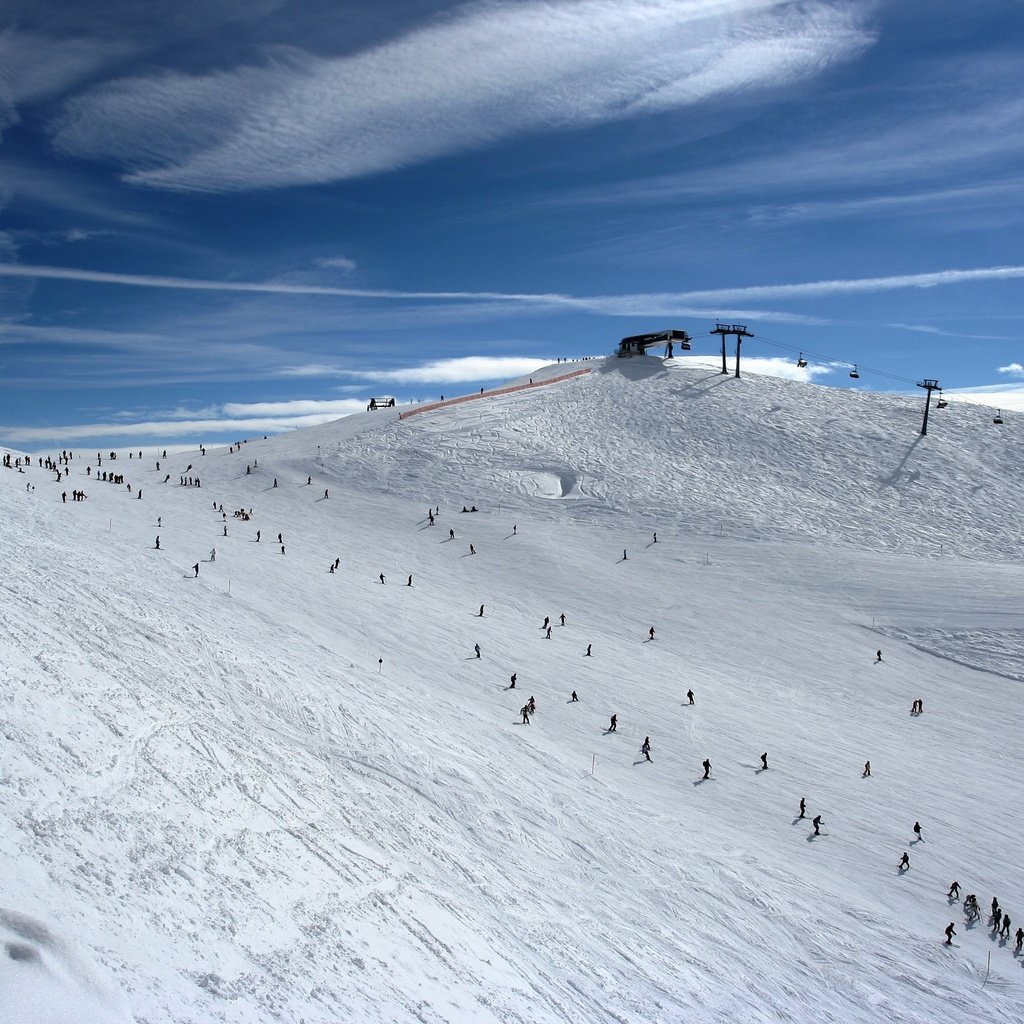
point(342, 263)
point(1002, 396)
point(332, 409)
point(485, 72)
point(465, 369)
point(769, 366)
point(1014, 368)
point(661, 303)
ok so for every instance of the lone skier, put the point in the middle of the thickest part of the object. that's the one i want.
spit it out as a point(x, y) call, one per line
point(816, 822)
point(645, 749)
point(707, 767)
point(613, 724)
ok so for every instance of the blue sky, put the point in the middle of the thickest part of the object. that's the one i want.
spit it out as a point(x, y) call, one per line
point(222, 219)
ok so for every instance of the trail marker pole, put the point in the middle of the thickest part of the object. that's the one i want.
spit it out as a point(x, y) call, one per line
point(380, 666)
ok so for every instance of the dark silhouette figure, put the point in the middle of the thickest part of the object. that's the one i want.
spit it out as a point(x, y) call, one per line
point(573, 698)
point(954, 890)
point(613, 724)
point(409, 583)
point(476, 647)
point(816, 822)
point(525, 712)
point(480, 614)
point(905, 862)
point(764, 761)
point(645, 748)
point(803, 808)
point(867, 770)
point(707, 768)
point(158, 543)
point(878, 657)
point(512, 680)
point(689, 696)
point(950, 932)
point(917, 829)
point(381, 577)
point(589, 647)
point(196, 568)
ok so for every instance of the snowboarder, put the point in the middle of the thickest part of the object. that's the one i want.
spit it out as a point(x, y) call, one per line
point(512, 680)
point(476, 647)
point(764, 761)
point(950, 932)
point(613, 724)
point(525, 712)
point(867, 770)
point(280, 538)
point(589, 647)
point(573, 699)
point(917, 829)
point(645, 748)
point(954, 890)
point(905, 862)
point(707, 767)
point(514, 528)
point(803, 808)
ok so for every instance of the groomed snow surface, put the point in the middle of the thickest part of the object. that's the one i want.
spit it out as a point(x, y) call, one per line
point(275, 793)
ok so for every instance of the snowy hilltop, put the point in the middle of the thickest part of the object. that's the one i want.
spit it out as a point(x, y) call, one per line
point(264, 759)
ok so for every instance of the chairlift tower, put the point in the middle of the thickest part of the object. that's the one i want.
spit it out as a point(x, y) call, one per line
point(929, 386)
point(741, 332)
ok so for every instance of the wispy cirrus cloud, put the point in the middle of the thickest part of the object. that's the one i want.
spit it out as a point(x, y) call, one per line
point(485, 72)
point(615, 305)
point(464, 369)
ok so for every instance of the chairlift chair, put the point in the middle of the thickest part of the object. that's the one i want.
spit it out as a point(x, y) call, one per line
point(998, 418)
point(941, 403)
point(801, 362)
point(853, 373)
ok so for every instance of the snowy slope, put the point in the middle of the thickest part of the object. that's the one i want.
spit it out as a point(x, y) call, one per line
point(215, 788)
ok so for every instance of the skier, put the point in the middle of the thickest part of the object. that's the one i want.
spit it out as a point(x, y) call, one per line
point(1020, 941)
point(326, 494)
point(645, 749)
point(954, 890)
point(158, 543)
point(409, 583)
point(655, 541)
point(878, 657)
point(159, 522)
point(257, 536)
point(589, 647)
point(547, 622)
point(275, 481)
point(280, 539)
point(624, 554)
point(525, 712)
point(451, 535)
point(917, 829)
point(996, 918)
point(1005, 930)
point(213, 554)
point(196, 568)
point(803, 808)
point(282, 549)
point(613, 724)
point(512, 680)
point(514, 528)
point(573, 698)
point(225, 529)
point(707, 767)
point(905, 862)
point(481, 612)
point(547, 635)
point(476, 647)
point(950, 932)
point(561, 618)
point(764, 761)
point(472, 550)
point(532, 705)
point(430, 516)
point(650, 633)
point(867, 770)
point(381, 577)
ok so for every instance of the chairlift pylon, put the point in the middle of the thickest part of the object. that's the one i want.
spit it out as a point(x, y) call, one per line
point(853, 373)
point(801, 362)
